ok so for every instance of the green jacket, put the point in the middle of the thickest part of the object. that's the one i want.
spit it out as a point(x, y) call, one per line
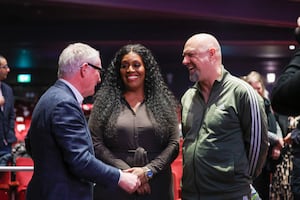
point(225, 140)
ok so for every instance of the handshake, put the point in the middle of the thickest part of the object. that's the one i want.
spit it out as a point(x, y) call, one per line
point(135, 180)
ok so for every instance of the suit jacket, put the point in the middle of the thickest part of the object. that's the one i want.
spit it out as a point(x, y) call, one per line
point(7, 117)
point(61, 147)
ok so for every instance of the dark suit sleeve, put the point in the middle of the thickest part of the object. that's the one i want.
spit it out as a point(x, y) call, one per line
point(12, 119)
point(10, 114)
point(73, 138)
point(286, 91)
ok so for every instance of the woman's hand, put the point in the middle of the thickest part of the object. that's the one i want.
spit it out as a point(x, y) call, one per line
point(144, 189)
point(140, 172)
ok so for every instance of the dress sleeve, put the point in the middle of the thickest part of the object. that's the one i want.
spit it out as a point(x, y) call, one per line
point(101, 151)
point(168, 155)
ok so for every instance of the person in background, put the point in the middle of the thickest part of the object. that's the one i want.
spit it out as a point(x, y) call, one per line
point(7, 115)
point(59, 140)
point(286, 91)
point(223, 124)
point(134, 124)
point(285, 98)
point(262, 182)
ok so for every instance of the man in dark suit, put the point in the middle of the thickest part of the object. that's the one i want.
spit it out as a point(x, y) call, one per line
point(59, 140)
point(7, 115)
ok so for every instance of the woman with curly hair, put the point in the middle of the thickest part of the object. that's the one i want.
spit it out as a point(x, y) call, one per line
point(134, 124)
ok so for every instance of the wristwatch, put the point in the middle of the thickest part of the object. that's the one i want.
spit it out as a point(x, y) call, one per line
point(148, 173)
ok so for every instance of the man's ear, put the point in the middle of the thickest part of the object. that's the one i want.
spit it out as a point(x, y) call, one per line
point(212, 51)
point(83, 69)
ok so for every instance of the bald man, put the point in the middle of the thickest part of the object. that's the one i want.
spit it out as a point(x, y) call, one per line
point(223, 124)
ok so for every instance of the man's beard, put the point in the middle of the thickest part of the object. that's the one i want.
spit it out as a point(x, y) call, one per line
point(194, 77)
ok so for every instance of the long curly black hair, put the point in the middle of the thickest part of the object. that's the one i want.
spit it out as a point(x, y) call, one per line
point(159, 100)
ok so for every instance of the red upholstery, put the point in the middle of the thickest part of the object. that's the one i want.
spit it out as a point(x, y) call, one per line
point(5, 185)
point(177, 173)
point(23, 177)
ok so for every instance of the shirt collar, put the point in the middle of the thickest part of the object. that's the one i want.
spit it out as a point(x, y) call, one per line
point(217, 81)
point(77, 94)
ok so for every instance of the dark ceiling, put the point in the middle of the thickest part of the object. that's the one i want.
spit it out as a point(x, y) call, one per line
point(254, 34)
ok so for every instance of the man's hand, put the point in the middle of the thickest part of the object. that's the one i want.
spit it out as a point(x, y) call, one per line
point(129, 182)
point(140, 172)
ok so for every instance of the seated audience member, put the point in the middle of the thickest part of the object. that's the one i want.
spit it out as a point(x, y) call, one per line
point(262, 182)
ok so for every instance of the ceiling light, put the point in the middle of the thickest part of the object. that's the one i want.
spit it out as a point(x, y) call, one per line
point(292, 47)
point(271, 77)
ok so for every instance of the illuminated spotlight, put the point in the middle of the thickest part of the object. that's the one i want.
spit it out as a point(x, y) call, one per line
point(292, 47)
point(24, 58)
point(271, 77)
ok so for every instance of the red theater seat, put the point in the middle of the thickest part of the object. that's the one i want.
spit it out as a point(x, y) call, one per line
point(5, 179)
point(23, 177)
point(177, 173)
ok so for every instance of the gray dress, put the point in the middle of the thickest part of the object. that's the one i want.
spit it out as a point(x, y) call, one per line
point(136, 144)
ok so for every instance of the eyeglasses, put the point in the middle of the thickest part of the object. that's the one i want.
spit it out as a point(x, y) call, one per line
point(95, 67)
point(4, 67)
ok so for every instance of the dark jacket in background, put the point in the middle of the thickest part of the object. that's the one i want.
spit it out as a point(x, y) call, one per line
point(286, 91)
point(7, 123)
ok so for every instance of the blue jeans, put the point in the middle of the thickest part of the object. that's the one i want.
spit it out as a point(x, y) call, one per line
point(5, 155)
